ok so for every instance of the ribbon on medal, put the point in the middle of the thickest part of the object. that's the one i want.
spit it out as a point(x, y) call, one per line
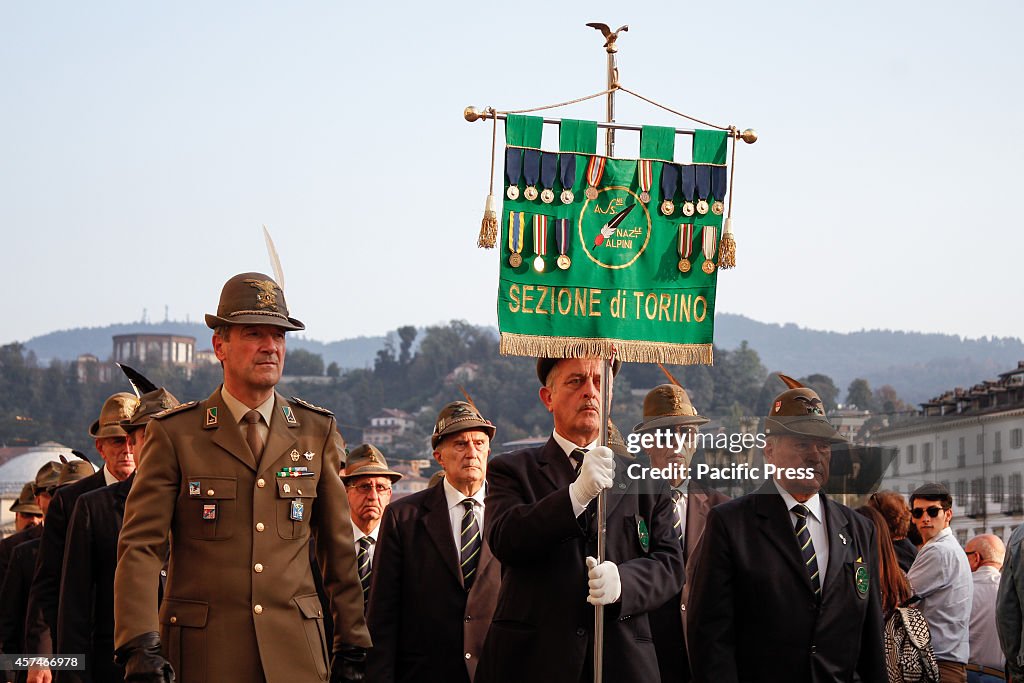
point(562, 237)
point(531, 172)
point(595, 171)
point(703, 173)
point(709, 238)
point(669, 184)
point(688, 183)
point(719, 181)
point(516, 226)
point(540, 241)
point(513, 171)
point(548, 163)
point(567, 166)
point(685, 246)
point(644, 178)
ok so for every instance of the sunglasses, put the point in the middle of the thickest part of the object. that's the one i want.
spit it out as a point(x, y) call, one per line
point(933, 512)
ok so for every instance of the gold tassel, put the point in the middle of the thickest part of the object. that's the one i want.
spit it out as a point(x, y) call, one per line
point(488, 226)
point(727, 259)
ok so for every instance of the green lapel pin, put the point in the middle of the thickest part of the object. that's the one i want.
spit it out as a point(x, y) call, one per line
point(641, 533)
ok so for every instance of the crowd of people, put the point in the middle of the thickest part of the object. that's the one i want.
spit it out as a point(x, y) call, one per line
point(236, 539)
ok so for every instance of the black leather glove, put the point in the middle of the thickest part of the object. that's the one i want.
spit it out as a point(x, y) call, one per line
point(142, 660)
point(348, 664)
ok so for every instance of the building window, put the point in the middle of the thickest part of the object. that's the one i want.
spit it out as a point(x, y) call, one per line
point(926, 456)
point(981, 444)
point(1016, 437)
point(945, 450)
point(961, 447)
point(961, 536)
point(1016, 502)
point(961, 493)
point(977, 497)
point(997, 489)
point(911, 457)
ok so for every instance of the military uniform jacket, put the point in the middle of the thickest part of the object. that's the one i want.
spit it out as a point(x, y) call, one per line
point(85, 619)
point(424, 624)
point(752, 614)
point(240, 603)
point(543, 625)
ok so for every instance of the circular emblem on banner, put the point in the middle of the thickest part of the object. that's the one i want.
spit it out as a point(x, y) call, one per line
point(614, 227)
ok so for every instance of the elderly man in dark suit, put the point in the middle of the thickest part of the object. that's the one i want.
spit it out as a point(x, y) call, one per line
point(435, 581)
point(541, 524)
point(85, 619)
point(785, 579)
point(668, 434)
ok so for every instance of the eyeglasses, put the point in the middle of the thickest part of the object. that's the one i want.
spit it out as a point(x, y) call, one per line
point(933, 512)
point(365, 489)
point(972, 552)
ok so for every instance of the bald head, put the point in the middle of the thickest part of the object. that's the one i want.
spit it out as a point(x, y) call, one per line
point(985, 550)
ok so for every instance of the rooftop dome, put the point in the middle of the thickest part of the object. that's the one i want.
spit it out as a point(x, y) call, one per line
point(16, 471)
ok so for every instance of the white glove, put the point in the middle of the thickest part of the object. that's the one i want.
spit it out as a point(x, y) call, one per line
point(596, 475)
point(605, 586)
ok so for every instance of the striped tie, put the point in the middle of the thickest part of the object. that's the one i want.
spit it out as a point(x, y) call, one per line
point(364, 568)
point(678, 526)
point(577, 458)
point(469, 553)
point(803, 538)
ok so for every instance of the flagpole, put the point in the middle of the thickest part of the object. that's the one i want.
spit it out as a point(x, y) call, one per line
point(611, 48)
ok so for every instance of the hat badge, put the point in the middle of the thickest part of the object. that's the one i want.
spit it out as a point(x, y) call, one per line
point(372, 457)
point(813, 405)
point(266, 295)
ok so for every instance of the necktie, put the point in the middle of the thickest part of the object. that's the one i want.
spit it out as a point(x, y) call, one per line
point(680, 524)
point(469, 552)
point(252, 433)
point(577, 457)
point(364, 568)
point(803, 539)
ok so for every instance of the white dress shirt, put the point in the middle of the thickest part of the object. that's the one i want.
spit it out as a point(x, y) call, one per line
point(815, 525)
point(456, 510)
point(357, 534)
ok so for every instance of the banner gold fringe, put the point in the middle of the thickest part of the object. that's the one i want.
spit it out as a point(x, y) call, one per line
point(513, 344)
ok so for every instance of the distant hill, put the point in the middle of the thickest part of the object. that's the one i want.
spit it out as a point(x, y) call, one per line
point(918, 365)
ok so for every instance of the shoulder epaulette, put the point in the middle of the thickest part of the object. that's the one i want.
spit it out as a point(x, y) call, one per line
point(176, 409)
point(314, 408)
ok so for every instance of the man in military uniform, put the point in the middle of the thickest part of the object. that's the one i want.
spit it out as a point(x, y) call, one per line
point(368, 483)
point(670, 415)
point(785, 582)
point(240, 481)
point(541, 525)
point(435, 581)
point(85, 620)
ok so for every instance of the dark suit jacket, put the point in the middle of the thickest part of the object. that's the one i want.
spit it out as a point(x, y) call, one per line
point(7, 547)
point(14, 596)
point(41, 627)
point(752, 614)
point(422, 621)
point(668, 622)
point(85, 619)
point(543, 625)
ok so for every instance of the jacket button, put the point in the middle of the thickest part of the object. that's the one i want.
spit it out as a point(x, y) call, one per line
point(259, 526)
point(261, 482)
point(258, 609)
point(468, 655)
point(209, 492)
point(258, 567)
point(174, 620)
point(813, 649)
point(581, 632)
point(163, 573)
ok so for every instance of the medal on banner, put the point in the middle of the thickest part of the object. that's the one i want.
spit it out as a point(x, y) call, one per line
point(645, 175)
point(548, 160)
point(718, 185)
point(516, 225)
point(595, 170)
point(688, 181)
point(669, 183)
point(685, 246)
point(709, 238)
point(562, 238)
point(531, 172)
point(567, 166)
point(540, 241)
point(703, 173)
point(513, 170)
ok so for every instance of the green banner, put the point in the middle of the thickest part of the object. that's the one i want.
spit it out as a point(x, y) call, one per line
point(606, 270)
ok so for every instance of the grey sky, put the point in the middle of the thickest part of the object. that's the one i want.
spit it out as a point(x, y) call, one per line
point(144, 143)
